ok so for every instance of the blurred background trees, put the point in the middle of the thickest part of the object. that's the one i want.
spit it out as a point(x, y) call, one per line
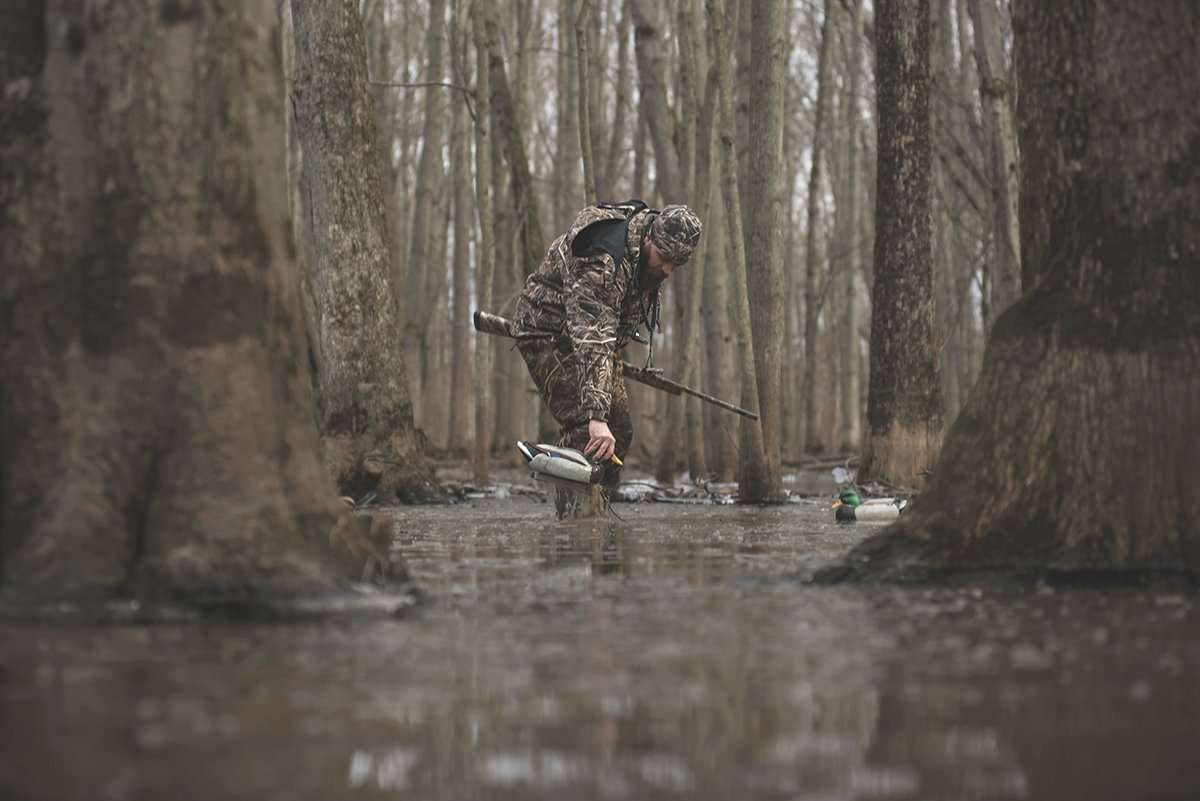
point(610, 99)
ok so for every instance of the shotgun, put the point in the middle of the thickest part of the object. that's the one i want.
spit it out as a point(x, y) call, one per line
point(494, 324)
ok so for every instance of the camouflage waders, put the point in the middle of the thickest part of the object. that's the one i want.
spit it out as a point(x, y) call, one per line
point(559, 381)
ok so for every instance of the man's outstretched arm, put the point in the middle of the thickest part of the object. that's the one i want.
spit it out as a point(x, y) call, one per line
point(593, 291)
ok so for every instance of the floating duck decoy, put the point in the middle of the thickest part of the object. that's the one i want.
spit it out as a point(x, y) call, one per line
point(849, 507)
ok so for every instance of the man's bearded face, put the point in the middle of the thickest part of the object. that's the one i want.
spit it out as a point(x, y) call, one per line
point(654, 268)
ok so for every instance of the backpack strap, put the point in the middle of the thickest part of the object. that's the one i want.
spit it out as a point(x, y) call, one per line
point(603, 236)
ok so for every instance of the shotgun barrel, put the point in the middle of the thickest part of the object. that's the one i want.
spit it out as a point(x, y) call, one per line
point(494, 324)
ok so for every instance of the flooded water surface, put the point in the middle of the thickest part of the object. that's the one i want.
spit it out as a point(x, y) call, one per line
point(671, 654)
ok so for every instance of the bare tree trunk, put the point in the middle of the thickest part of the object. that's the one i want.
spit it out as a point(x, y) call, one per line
point(849, 244)
point(743, 90)
point(641, 127)
point(591, 192)
point(1048, 469)
point(366, 418)
point(941, 110)
point(520, 256)
point(599, 34)
point(433, 413)
point(653, 91)
point(812, 271)
point(768, 22)
point(156, 439)
point(754, 479)
point(720, 428)
point(905, 406)
point(421, 270)
point(504, 361)
point(484, 254)
point(995, 96)
point(379, 67)
point(301, 230)
point(406, 138)
point(701, 190)
point(508, 125)
point(688, 100)
point(972, 269)
point(568, 195)
point(616, 144)
point(464, 218)
point(792, 425)
point(684, 418)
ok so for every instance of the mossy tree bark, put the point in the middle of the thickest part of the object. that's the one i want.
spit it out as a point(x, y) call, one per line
point(156, 437)
point(1077, 447)
point(366, 418)
point(904, 406)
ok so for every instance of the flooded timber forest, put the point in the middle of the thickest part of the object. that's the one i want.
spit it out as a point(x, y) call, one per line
point(607, 399)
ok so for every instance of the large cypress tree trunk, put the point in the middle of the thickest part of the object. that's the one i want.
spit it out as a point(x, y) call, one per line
point(366, 417)
point(1077, 447)
point(904, 408)
point(156, 437)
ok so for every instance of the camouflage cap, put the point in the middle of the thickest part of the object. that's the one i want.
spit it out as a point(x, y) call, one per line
point(676, 232)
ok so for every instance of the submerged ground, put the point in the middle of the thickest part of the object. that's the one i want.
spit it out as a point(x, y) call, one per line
point(671, 654)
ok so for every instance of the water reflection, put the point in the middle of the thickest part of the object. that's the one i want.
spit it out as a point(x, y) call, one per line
point(663, 656)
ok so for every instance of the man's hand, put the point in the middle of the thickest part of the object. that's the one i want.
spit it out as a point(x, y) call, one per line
point(601, 443)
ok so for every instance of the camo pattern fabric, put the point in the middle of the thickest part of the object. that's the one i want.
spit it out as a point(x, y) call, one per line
point(596, 304)
point(676, 232)
point(558, 379)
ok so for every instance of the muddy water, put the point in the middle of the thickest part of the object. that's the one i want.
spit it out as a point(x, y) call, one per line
point(668, 655)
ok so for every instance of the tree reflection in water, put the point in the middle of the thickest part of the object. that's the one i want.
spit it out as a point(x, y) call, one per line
point(670, 655)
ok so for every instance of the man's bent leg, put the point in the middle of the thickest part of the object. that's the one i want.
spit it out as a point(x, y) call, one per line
point(556, 377)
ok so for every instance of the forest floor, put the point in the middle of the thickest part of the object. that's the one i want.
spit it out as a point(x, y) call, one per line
point(673, 652)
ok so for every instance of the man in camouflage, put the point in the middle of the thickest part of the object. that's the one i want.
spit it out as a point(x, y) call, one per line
point(599, 282)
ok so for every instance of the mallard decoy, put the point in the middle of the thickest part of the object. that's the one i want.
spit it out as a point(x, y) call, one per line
point(565, 466)
point(849, 507)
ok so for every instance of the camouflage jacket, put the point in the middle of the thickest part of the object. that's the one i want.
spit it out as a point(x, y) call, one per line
point(582, 291)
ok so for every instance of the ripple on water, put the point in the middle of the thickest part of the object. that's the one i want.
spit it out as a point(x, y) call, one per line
point(671, 654)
